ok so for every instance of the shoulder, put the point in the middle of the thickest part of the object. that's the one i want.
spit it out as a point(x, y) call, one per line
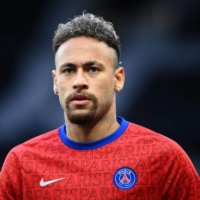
point(158, 143)
point(143, 132)
point(155, 146)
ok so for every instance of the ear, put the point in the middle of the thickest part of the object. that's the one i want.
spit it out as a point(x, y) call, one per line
point(55, 85)
point(119, 78)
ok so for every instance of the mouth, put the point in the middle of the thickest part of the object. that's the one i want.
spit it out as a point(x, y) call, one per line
point(80, 99)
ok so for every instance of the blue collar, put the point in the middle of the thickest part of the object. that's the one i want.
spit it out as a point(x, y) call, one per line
point(96, 144)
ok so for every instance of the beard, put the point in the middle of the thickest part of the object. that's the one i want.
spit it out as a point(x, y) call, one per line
point(80, 116)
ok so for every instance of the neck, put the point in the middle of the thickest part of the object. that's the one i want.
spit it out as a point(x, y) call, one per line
point(92, 131)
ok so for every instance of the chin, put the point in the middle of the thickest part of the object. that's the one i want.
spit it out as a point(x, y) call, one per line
point(81, 118)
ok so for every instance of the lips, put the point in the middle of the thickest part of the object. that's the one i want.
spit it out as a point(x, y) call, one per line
point(79, 97)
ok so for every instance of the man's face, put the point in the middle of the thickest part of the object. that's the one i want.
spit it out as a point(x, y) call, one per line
point(86, 79)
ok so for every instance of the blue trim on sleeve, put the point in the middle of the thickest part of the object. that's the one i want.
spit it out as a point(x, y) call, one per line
point(96, 144)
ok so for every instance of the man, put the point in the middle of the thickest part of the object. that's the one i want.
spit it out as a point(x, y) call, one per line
point(95, 155)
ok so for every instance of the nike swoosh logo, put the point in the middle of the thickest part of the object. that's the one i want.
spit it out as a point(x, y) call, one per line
point(44, 183)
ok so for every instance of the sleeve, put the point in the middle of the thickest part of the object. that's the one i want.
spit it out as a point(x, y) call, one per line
point(180, 179)
point(10, 178)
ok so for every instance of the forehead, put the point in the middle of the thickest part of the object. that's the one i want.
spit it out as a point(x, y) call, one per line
point(84, 49)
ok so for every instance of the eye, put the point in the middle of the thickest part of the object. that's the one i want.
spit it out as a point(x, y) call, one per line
point(93, 69)
point(68, 70)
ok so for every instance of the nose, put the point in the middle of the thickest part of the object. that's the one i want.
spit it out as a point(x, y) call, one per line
point(80, 80)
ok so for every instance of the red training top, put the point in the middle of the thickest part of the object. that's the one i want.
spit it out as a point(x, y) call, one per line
point(131, 163)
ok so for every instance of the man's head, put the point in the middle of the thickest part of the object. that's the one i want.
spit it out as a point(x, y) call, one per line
point(86, 77)
point(88, 25)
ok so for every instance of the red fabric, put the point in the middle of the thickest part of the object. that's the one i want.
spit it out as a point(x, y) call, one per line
point(164, 171)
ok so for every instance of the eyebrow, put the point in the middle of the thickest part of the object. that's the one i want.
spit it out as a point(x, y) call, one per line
point(87, 64)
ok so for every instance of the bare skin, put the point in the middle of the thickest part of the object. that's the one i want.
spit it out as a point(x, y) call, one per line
point(86, 81)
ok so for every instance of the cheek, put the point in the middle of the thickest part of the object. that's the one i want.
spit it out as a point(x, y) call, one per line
point(64, 89)
point(106, 82)
point(64, 86)
point(107, 89)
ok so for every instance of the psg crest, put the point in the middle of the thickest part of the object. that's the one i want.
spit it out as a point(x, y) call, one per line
point(125, 178)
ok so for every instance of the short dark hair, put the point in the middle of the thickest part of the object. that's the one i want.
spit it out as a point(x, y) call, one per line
point(87, 25)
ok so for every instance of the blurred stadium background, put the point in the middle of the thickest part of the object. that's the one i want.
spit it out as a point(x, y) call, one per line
point(160, 54)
